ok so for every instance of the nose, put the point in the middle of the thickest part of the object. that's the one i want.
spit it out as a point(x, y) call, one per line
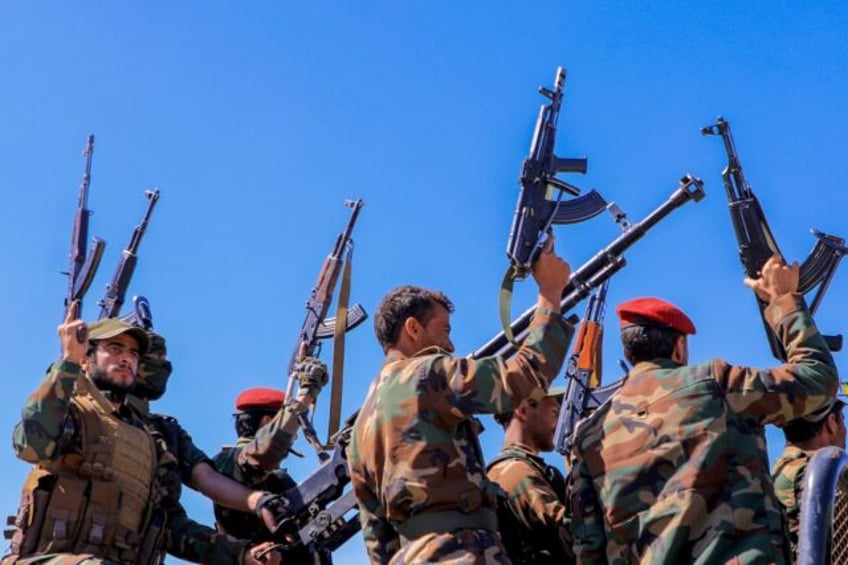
point(449, 346)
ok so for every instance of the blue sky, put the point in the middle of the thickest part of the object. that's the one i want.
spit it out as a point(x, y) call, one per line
point(257, 120)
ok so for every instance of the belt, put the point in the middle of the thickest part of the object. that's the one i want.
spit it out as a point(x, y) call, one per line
point(444, 522)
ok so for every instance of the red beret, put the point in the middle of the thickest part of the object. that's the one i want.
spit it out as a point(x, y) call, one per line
point(260, 398)
point(653, 311)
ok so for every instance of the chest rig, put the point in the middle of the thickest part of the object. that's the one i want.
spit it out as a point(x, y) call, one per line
point(98, 499)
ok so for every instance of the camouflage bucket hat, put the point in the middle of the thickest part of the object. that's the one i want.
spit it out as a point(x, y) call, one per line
point(111, 327)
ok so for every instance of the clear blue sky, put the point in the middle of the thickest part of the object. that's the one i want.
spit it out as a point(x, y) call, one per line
point(256, 120)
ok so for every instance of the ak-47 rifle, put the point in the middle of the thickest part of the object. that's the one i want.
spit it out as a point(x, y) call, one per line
point(314, 511)
point(116, 290)
point(83, 265)
point(583, 390)
point(535, 211)
point(598, 269)
point(317, 325)
point(757, 244)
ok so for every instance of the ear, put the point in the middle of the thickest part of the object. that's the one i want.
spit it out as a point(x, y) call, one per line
point(84, 363)
point(412, 328)
point(831, 424)
point(680, 354)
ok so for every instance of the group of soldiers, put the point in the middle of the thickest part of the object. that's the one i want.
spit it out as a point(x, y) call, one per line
point(673, 468)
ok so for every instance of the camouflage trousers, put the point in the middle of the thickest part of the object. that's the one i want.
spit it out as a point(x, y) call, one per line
point(460, 547)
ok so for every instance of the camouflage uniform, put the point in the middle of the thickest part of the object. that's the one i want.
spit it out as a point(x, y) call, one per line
point(254, 462)
point(415, 462)
point(534, 523)
point(185, 538)
point(673, 468)
point(69, 511)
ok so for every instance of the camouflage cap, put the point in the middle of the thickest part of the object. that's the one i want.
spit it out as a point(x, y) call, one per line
point(654, 312)
point(111, 327)
point(821, 413)
point(554, 392)
point(260, 399)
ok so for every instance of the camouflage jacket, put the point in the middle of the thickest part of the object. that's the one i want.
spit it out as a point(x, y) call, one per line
point(253, 459)
point(414, 445)
point(534, 524)
point(248, 462)
point(247, 524)
point(673, 468)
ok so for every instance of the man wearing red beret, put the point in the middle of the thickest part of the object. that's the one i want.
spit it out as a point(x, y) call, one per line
point(673, 468)
point(267, 427)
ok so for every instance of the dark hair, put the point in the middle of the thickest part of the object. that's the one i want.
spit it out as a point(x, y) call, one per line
point(801, 430)
point(504, 418)
point(402, 303)
point(644, 343)
point(247, 422)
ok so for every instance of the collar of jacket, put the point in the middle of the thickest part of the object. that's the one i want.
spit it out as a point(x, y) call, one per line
point(644, 366)
point(395, 355)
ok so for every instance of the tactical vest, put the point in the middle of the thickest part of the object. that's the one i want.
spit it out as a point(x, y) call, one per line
point(525, 546)
point(99, 501)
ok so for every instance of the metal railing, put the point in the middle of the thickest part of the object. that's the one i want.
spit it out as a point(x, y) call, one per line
point(823, 530)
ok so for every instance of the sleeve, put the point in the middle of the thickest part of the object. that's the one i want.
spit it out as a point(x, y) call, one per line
point(805, 383)
point(493, 385)
point(188, 454)
point(271, 444)
point(587, 517)
point(194, 542)
point(381, 540)
point(45, 414)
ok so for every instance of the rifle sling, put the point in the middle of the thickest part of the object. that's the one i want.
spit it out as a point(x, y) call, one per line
point(339, 351)
point(505, 302)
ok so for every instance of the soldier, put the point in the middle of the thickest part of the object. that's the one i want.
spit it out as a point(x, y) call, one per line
point(415, 462)
point(673, 468)
point(266, 428)
point(532, 517)
point(804, 436)
point(186, 464)
point(95, 494)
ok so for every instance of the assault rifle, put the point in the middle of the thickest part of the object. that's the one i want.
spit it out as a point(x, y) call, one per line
point(317, 325)
point(583, 374)
point(83, 265)
point(598, 269)
point(116, 290)
point(757, 244)
point(535, 212)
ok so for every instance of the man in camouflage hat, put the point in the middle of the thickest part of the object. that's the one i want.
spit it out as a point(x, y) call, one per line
point(189, 465)
point(804, 436)
point(267, 426)
point(534, 524)
point(673, 468)
point(415, 462)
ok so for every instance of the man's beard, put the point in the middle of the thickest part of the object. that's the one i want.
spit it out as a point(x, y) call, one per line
point(101, 379)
